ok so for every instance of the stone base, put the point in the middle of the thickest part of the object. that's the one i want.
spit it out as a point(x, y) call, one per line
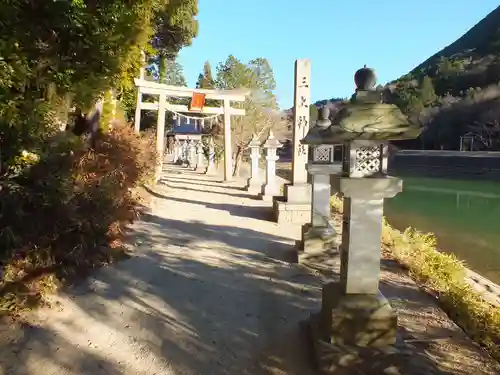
point(253, 189)
point(298, 193)
point(337, 359)
point(211, 169)
point(357, 319)
point(351, 329)
point(268, 192)
point(315, 241)
point(293, 213)
point(253, 186)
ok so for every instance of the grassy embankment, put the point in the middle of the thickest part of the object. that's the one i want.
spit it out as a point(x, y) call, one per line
point(443, 275)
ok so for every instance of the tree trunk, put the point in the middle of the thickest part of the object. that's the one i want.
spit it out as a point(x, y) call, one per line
point(237, 161)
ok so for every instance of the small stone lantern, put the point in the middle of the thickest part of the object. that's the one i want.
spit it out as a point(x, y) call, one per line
point(355, 316)
point(192, 153)
point(319, 235)
point(271, 188)
point(211, 157)
point(200, 157)
point(255, 181)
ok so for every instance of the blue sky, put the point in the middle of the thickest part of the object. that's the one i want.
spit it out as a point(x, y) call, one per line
point(339, 36)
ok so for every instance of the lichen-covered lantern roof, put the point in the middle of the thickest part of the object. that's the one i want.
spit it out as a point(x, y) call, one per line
point(364, 117)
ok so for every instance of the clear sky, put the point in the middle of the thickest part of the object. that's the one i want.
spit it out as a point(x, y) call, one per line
point(339, 36)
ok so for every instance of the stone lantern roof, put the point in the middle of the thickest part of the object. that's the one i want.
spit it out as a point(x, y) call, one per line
point(364, 117)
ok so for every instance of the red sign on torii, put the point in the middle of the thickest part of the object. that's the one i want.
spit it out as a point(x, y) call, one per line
point(197, 102)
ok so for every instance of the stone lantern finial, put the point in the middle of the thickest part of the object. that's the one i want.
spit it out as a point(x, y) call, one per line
point(365, 79)
point(323, 117)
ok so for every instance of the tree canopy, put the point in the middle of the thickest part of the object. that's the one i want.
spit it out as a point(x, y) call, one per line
point(261, 105)
point(57, 54)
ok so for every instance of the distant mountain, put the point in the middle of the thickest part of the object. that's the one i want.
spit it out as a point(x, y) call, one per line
point(455, 94)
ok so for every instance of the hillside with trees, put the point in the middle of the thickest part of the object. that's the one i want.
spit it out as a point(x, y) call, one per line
point(454, 95)
point(456, 92)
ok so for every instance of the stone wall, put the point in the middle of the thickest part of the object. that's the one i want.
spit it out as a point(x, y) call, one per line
point(446, 164)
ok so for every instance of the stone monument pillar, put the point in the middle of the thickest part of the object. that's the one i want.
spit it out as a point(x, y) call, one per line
point(319, 235)
point(355, 318)
point(294, 207)
point(211, 157)
point(271, 188)
point(255, 181)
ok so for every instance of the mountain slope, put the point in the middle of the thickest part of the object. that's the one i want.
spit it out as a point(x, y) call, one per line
point(456, 92)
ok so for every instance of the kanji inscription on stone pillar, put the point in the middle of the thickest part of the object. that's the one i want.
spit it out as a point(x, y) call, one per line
point(301, 119)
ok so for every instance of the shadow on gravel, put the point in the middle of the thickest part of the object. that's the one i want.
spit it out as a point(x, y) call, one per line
point(194, 299)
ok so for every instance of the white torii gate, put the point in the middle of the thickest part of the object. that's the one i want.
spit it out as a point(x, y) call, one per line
point(164, 91)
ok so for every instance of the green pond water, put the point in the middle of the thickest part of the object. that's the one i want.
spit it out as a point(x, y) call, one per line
point(464, 215)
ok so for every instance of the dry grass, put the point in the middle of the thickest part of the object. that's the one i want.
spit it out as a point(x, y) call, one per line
point(443, 275)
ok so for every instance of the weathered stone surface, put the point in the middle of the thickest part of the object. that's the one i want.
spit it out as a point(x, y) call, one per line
point(292, 213)
point(315, 241)
point(298, 193)
point(337, 359)
point(356, 319)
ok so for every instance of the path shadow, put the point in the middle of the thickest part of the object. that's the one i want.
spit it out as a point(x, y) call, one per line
point(203, 182)
point(207, 298)
point(264, 247)
point(249, 212)
point(226, 193)
point(21, 342)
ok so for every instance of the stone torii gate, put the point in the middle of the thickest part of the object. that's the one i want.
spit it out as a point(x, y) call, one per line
point(164, 91)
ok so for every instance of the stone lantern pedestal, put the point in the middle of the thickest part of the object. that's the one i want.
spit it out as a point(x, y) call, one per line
point(356, 320)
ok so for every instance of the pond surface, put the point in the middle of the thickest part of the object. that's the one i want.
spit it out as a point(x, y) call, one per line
point(464, 215)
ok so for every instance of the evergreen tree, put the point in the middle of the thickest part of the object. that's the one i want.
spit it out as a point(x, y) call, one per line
point(427, 93)
point(205, 79)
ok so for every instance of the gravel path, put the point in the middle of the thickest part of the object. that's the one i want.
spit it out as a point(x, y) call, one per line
point(209, 289)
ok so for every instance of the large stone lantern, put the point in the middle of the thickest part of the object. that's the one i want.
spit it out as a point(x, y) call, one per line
point(355, 316)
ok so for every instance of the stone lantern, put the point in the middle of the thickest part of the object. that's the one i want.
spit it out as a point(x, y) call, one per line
point(355, 317)
point(254, 183)
point(271, 188)
point(192, 153)
point(211, 157)
point(200, 157)
point(319, 235)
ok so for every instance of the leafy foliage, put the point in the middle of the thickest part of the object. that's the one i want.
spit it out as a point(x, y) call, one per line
point(56, 56)
point(68, 207)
